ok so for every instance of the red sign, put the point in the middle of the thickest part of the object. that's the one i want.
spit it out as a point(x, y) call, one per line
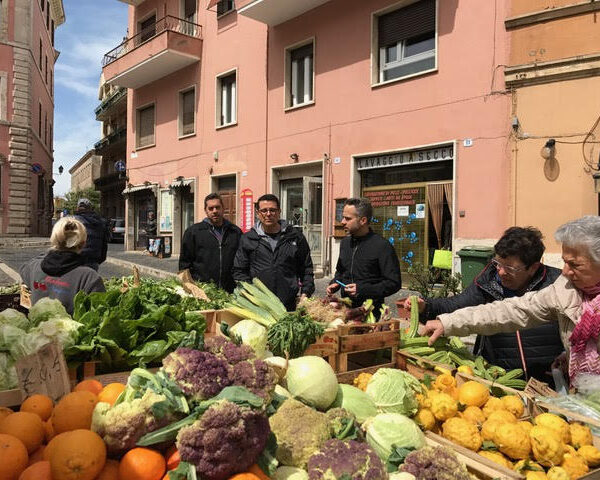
point(247, 209)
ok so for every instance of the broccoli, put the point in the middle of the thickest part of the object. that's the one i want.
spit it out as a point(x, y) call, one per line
point(124, 424)
point(342, 425)
point(349, 460)
point(225, 440)
point(300, 432)
point(229, 351)
point(434, 463)
point(199, 375)
point(257, 376)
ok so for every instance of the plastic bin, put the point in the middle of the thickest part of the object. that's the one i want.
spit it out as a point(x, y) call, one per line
point(160, 246)
point(472, 262)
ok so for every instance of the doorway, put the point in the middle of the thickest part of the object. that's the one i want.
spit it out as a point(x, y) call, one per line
point(226, 188)
point(143, 226)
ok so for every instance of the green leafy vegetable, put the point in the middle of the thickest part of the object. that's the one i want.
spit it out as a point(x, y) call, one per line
point(293, 333)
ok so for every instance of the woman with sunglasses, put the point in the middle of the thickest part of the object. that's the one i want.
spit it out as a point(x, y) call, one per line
point(573, 301)
point(515, 270)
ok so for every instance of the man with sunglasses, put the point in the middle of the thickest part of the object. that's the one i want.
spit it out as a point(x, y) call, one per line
point(277, 253)
point(515, 269)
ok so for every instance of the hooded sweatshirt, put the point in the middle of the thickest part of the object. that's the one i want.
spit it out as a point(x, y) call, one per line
point(60, 275)
point(96, 244)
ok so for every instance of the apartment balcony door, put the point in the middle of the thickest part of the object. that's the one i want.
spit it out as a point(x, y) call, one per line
point(189, 14)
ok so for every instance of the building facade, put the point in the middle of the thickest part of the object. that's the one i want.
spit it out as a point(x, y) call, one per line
point(85, 171)
point(27, 58)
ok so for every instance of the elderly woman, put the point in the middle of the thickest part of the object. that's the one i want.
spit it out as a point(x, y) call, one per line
point(60, 273)
point(573, 301)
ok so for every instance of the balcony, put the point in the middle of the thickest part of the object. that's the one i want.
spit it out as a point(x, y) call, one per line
point(165, 47)
point(274, 12)
point(106, 106)
point(111, 139)
point(135, 3)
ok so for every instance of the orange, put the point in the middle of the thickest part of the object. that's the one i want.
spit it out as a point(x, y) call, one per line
point(89, 385)
point(27, 427)
point(74, 411)
point(41, 405)
point(48, 430)
point(13, 457)
point(256, 470)
point(77, 455)
point(37, 456)
point(110, 471)
point(142, 464)
point(110, 393)
point(244, 476)
point(172, 457)
point(37, 471)
point(5, 412)
point(51, 445)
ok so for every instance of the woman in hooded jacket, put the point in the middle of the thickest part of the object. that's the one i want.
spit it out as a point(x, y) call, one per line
point(61, 273)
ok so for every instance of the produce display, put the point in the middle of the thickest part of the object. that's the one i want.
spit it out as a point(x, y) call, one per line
point(335, 311)
point(10, 289)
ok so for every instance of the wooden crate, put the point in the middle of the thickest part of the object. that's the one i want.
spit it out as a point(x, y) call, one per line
point(419, 367)
point(354, 339)
point(11, 398)
point(348, 377)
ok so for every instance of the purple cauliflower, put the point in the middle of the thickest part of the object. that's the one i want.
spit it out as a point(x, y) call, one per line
point(232, 353)
point(226, 440)
point(350, 460)
point(434, 463)
point(199, 375)
point(256, 376)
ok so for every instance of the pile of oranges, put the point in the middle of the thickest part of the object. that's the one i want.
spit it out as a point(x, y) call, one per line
point(44, 441)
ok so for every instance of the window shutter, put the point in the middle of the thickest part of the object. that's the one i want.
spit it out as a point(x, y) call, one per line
point(187, 124)
point(300, 53)
point(415, 19)
point(146, 126)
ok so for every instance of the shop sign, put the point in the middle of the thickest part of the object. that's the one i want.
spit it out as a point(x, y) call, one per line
point(393, 198)
point(247, 209)
point(437, 154)
point(44, 372)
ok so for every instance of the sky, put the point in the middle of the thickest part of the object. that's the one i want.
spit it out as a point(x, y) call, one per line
point(92, 28)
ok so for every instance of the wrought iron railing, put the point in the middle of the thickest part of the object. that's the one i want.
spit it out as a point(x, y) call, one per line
point(113, 137)
point(165, 24)
point(109, 101)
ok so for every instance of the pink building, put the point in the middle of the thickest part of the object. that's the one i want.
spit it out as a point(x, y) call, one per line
point(317, 101)
point(27, 57)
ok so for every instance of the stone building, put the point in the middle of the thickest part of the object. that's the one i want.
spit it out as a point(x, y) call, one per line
point(27, 58)
point(85, 171)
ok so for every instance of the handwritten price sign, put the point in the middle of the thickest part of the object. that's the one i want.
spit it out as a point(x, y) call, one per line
point(44, 372)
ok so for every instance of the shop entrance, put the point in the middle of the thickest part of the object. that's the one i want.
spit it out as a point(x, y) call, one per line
point(144, 221)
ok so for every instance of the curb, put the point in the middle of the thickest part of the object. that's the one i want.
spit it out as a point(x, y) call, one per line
point(21, 244)
point(10, 272)
point(155, 272)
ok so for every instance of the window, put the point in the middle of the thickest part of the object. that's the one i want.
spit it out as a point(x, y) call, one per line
point(225, 6)
point(407, 40)
point(40, 120)
point(42, 4)
point(299, 75)
point(47, 15)
point(187, 112)
point(147, 28)
point(40, 192)
point(226, 100)
point(50, 137)
point(46, 71)
point(189, 15)
point(52, 31)
point(51, 84)
point(40, 54)
point(46, 128)
point(145, 126)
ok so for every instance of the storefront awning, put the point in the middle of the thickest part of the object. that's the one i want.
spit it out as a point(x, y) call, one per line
point(186, 182)
point(139, 188)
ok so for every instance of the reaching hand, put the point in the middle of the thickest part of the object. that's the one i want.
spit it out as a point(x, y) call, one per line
point(331, 289)
point(435, 329)
point(407, 304)
point(351, 289)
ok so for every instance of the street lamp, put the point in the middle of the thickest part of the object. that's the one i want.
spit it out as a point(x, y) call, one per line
point(60, 170)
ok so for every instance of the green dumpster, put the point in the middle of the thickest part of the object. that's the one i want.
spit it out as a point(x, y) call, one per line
point(472, 262)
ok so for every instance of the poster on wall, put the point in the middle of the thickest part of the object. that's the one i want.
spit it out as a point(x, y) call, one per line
point(247, 209)
point(166, 211)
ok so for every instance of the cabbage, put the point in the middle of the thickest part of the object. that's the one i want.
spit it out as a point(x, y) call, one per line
point(13, 317)
point(44, 309)
point(290, 473)
point(9, 335)
point(394, 391)
point(387, 429)
point(311, 380)
point(28, 344)
point(355, 401)
point(63, 330)
point(253, 334)
point(8, 372)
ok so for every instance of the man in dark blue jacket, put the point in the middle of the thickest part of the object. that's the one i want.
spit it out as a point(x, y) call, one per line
point(96, 245)
point(516, 269)
point(209, 247)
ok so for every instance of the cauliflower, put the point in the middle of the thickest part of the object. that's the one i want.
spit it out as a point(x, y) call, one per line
point(496, 457)
point(512, 442)
point(434, 463)
point(425, 419)
point(124, 424)
point(513, 404)
point(256, 375)
point(590, 454)
point(473, 415)
point(229, 351)
point(580, 435)
point(351, 460)
point(342, 424)
point(443, 406)
point(463, 432)
point(555, 423)
point(225, 440)
point(300, 432)
point(574, 465)
point(547, 447)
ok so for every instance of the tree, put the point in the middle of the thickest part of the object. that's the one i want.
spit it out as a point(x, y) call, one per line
point(72, 197)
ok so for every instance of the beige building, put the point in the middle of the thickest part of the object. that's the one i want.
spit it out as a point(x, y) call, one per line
point(85, 171)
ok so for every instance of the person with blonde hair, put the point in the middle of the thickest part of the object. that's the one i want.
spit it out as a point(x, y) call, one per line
point(61, 273)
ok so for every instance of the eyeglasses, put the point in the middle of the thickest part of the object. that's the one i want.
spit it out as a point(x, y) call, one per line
point(264, 211)
point(507, 268)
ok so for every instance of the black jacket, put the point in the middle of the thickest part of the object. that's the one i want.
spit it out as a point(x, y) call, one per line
point(208, 259)
point(541, 345)
point(96, 244)
point(370, 262)
point(281, 269)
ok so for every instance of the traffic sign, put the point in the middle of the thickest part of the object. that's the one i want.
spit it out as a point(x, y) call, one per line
point(120, 166)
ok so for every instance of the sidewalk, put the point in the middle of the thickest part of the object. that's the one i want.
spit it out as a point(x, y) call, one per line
point(147, 264)
point(24, 242)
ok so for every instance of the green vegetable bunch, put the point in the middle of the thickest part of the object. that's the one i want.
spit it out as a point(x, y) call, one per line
point(293, 333)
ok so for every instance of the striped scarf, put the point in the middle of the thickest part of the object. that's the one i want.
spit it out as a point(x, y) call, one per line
point(584, 356)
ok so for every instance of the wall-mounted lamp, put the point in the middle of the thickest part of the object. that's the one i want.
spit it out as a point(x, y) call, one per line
point(548, 150)
point(294, 157)
point(61, 169)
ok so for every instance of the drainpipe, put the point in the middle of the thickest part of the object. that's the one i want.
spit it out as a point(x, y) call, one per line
point(267, 188)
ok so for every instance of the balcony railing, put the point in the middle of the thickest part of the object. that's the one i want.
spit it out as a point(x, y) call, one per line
point(119, 134)
point(111, 100)
point(165, 24)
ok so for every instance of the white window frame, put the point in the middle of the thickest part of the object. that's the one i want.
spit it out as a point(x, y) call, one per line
point(377, 52)
point(137, 126)
point(219, 101)
point(289, 76)
point(180, 112)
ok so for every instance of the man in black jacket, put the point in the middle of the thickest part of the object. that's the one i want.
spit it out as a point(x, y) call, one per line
point(96, 245)
point(515, 270)
point(209, 247)
point(276, 253)
point(368, 265)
